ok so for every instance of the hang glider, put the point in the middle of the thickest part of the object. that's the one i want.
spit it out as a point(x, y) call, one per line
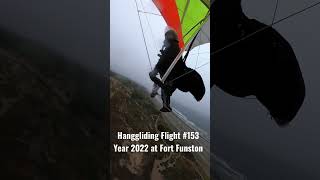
point(191, 21)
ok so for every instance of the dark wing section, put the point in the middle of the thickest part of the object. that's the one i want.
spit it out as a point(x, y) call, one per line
point(192, 82)
point(282, 90)
point(263, 65)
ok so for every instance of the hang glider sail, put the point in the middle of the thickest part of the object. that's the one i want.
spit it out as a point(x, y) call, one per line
point(190, 19)
point(187, 18)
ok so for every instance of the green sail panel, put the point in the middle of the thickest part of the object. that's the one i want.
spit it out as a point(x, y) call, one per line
point(193, 14)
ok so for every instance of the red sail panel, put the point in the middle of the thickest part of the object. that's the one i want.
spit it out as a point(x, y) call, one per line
point(169, 11)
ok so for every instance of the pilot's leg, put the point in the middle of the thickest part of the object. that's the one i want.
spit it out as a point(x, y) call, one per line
point(165, 96)
point(154, 91)
point(153, 76)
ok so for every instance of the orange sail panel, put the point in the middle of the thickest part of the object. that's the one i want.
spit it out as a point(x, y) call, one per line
point(169, 11)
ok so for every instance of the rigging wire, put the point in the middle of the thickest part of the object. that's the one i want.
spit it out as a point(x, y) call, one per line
point(198, 52)
point(192, 54)
point(146, 12)
point(189, 48)
point(275, 12)
point(148, 22)
point(266, 27)
point(144, 38)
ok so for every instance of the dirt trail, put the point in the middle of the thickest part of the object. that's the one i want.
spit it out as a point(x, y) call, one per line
point(158, 165)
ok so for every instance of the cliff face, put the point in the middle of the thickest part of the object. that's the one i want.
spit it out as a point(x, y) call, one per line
point(48, 130)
